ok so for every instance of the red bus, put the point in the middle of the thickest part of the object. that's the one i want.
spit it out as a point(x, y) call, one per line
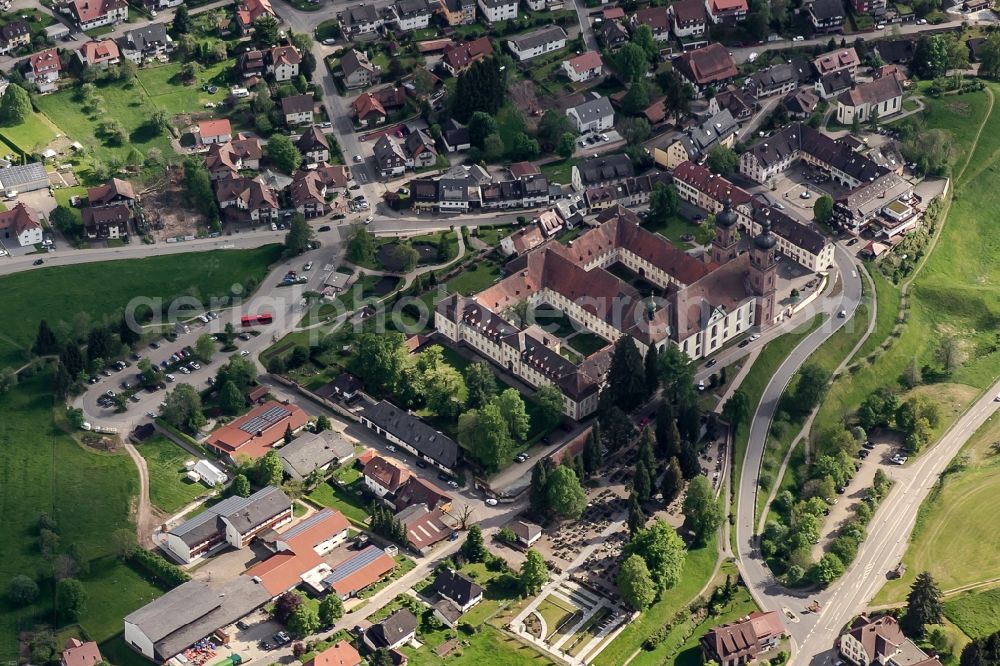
point(251, 320)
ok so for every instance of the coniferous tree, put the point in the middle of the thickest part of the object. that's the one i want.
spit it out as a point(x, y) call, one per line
point(673, 481)
point(538, 493)
point(45, 340)
point(923, 605)
point(641, 485)
point(72, 358)
point(626, 383)
point(593, 457)
point(652, 367)
point(636, 516)
point(646, 450)
point(668, 438)
point(690, 466)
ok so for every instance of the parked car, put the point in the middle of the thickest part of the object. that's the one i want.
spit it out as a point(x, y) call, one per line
point(711, 363)
point(490, 501)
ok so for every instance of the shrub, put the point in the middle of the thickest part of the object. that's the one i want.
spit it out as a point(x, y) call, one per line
point(157, 567)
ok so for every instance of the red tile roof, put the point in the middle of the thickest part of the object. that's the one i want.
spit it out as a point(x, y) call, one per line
point(340, 653)
point(365, 105)
point(586, 61)
point(467, 53)
point(20, 219)
point(97, 52)
point(234, 440)
point(78, 653)
point(708, 64)
point(90, 10)
point(213, 128)
point(386, 473)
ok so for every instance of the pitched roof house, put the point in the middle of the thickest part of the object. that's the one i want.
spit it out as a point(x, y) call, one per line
point(256, 432)
point(458, 589)
point(459, 57)
point(313, 145)
point(78, 653)
point(340, 653)
point(741, 642)
point(100, 54)
point(114, 191)
point(90, 14)
point(410, 432)
point(709, 65)
point(21, 224)
point(395, 630)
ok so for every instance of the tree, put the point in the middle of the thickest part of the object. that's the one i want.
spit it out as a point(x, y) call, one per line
point(474, 547)
point(523, 147)
point(631, 62)
point(361, 247)
point(382, 657)
point(323, 423)
point(564, 494)
point(678, 93)
point(626, 382)
point(676, 375)
point(331, 609)
point(637, 97)
point(828, 569)
point(198, 185)
point(71, 358)
point(485, 434)
point(285, 605)
point(514, 413)
point(304, 621)
point(22, 591)
point(553, 126)
point(566, 146)
point(493, 147)
point(269, 469)
point(989, 57)
point(673, 481)
point(63, 219)
point(182, 22)
point(736, 409)
point(643, 37)
point(481, 87)
point(662, 550)
point(823, 209)
point(635, 584)
point(15, 105)
point(593, 456)
point(380, 359)
point(923, 605)
point(616, 429)
point(810, 388)
point(538, 498)
point(701, 508)
point(549, 401)
point(231, 399)
point(265, 31)
point(239, 371)
point(723, 160)
point(204, 348)
point(984, 651)
point(930, 57)
point(636, 516)
point(534, 573)
point(282, 153)
point(641, 484)
point(71, 599)
point(183, 409)
point(481, 125)
point(651, 365)
point(300, 234)
point(241, 486)
point(45, 340)
point(480, 383)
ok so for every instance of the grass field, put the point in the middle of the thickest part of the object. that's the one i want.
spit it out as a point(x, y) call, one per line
point(489, 646)
point(697, 572)
point(326, 494)
point(975, 613)
point(32, 135)
point(169, 489)
point(101, 290)
point(88, 494)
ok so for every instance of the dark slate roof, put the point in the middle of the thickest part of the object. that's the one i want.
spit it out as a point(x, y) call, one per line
point(413, 431)
point(453, 585)
point(606, 167)
point(245, 513)
point(824, 10)
point(393, 628)
point(896, 51)
point(538, 37)
point(147, 36)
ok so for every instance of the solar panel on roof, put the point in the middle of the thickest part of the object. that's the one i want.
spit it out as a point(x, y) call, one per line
point(306, 524)
point(345, 569)
point(265, 420)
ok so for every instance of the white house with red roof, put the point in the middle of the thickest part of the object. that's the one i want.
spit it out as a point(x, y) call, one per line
point(20, 224)
point(727, 11)
point(217, 130)
point(248, 11)
point(283, 62)
point(584, 67)
point(78, 653)
point(90, 14)
point(100, 54)
point(43, 69)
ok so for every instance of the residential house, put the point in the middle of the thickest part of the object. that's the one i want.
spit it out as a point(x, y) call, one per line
point(424, 527)
point(601, 170)
point(149, 42)
point(629, 193)
point(741, 106)
point(880, 98)
point(896, 51)
point(392, 632)
point(526, 533)
point(340, 653)
point(235, 521)
point(584, 67)
point(358, 572)
point(78, 653)
point(881, 641)
point(457, 589)
point(314, 146)
point(336, 176)
point(523, 240)
point(741, 642)
point(358, 71)
point(226, 160)
point(115, 191)
point(99, 54)
point(90, 14)
point(537, 42)
point(389, 157)
point(614, 35)
point(359, 20)
point(826, 15)
point(420, 150)
point(689, 19)
point(415, 490)
point(383, 477)
point(658, 20)
point(259, 430)
point(873, 7)
point(411, 14)
point(458, 57)
point(110, 222)
point(455, 136)
point(307, 192)
point(42, 69)
point(457, 194)
point(836, 61)
point(20, 224)
point(282, 62)
point(368, 111)
point(412, 434)
point(217, 130)
point(708, 66)
point(833, 84)
point(297, 109)
point(696, 142)
point(14, 35)
point(311, 451)
point(497, 10)
point(801, 103)
point(727, 11)
point(250, 64)
point(248, 11)
point(457, 12)
point(247, 200)
point(597, 115)
point(774, 80)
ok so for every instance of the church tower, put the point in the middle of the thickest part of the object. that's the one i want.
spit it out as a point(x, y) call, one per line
point(726, 234)
point(763, 272)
